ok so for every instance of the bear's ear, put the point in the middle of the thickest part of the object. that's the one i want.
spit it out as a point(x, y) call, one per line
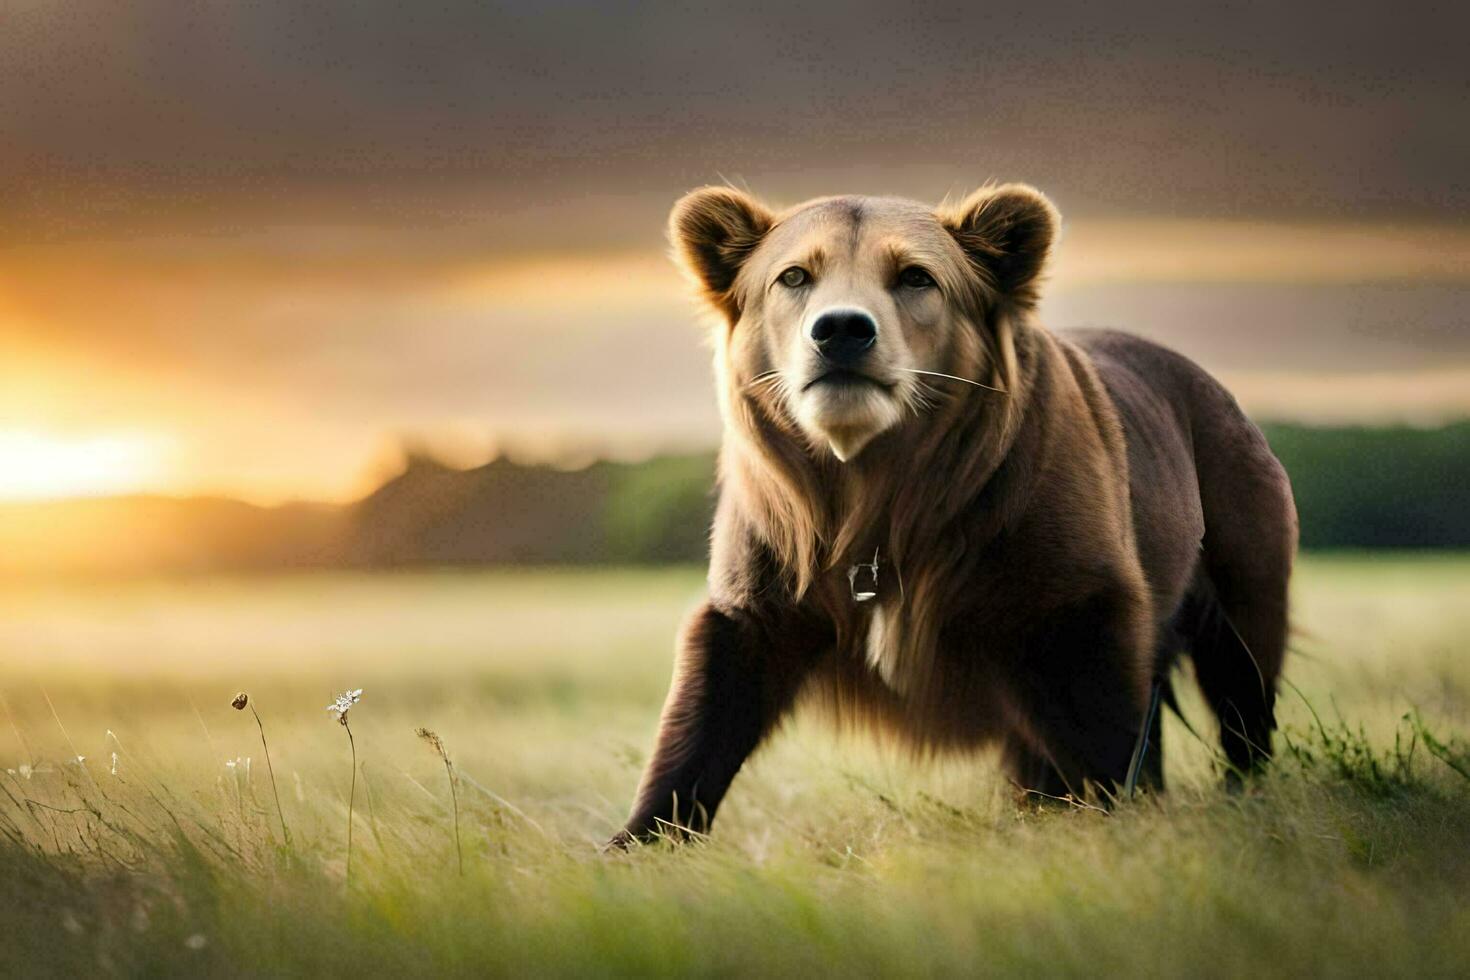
point(714, 230)
point(1007, 232)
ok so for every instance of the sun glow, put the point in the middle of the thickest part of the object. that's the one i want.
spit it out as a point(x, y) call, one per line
point(37, 465)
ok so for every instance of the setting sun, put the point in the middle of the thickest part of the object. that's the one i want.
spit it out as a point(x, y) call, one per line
point(39, 465)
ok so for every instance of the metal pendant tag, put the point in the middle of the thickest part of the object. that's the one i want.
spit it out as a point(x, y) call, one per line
point(862, 579)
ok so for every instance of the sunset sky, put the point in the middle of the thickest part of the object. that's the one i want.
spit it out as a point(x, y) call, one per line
point(245, 249)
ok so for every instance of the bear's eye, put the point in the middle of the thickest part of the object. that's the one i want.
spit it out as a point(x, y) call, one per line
point(794, 277)
point(916, 278)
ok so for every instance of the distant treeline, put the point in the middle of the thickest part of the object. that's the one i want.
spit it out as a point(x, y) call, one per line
point(1378, 488)
point(1355, 488)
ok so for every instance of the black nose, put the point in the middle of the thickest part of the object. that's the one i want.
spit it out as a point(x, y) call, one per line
point(843, 336)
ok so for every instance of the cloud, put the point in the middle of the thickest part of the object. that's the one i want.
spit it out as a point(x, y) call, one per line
point(227, 116)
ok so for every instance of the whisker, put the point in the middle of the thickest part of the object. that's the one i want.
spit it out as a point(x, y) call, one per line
point(952, 377)
point(761, 379)
point(924, 398)
point(921, 397)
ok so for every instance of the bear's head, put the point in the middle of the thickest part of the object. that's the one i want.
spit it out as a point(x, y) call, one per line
point(846, 316)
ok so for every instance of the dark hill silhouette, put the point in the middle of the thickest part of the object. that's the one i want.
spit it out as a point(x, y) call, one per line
point(428, 514)
point(498, 513)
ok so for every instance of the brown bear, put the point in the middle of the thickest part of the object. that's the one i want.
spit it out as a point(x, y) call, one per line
point(941, 520)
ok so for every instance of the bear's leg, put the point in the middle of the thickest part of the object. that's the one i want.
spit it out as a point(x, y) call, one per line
point(732, 682)
point(1090, 733)
point(1083, 685)
point(1247, 554)
point(1033, 775)
point(1237, 659)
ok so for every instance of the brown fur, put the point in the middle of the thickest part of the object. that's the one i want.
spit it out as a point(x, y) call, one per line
point(1047, 543)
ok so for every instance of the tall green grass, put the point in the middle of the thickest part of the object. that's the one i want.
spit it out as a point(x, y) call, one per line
point(1352, 856)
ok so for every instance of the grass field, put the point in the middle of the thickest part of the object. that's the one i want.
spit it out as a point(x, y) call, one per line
point(130, 843)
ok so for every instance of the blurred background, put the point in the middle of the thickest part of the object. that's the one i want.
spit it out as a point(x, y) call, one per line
point(282, 286)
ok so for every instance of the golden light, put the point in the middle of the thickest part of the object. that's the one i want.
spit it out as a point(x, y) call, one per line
point(39, 465)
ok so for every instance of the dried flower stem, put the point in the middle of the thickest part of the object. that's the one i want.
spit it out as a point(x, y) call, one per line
point(340, 705)
point(454, 797)
point(285, 834)
point(437, 744)
point(351, 795)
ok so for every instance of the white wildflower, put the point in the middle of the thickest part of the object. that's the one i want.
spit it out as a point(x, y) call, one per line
point(25, 771)
point(344, 703)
